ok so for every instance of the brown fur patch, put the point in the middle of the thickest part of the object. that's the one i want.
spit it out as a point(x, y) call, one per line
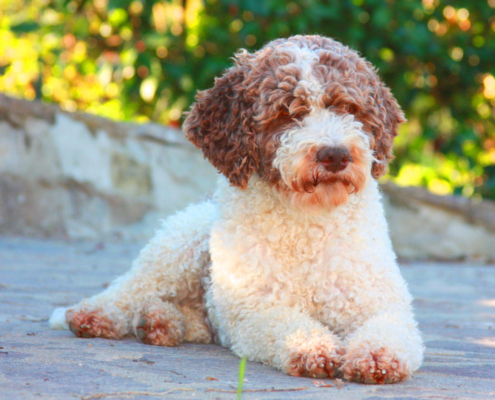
point(374, 366)
point(221, 124)
point(159, 330)
point(90, 324)
point(319, 362)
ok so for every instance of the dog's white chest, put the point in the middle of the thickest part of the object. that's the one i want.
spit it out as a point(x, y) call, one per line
point(326, 266)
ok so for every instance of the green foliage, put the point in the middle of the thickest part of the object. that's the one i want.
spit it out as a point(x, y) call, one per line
point(145, 60)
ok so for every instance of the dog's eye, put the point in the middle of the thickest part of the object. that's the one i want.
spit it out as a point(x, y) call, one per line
point(287, 114)
point(350, 108)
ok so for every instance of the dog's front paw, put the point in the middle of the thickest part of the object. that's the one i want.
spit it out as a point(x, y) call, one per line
point(374, 366)
point(89, 324)
point(319, 357)
point(160, 324)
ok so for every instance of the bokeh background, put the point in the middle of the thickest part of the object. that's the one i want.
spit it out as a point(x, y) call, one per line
point(144, 60)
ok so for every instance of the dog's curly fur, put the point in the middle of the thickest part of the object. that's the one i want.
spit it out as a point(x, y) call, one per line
point(290, 263)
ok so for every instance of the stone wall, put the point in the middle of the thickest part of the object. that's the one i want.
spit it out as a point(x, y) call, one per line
point(427, 226)
point(81, 176)
point(78, 176)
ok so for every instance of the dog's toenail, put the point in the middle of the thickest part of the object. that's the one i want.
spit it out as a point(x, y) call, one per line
point(141, 334)
point(384, 371)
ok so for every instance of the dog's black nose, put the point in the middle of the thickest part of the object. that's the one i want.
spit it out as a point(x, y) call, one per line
point(334, 158)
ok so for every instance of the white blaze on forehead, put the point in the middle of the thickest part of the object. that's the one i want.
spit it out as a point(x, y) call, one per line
point(305, 58)
point(307, 55)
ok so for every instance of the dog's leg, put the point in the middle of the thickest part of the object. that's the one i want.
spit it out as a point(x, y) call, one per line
point(197, 330)
point(387, 348)
point(169, 268)
point(286, 339)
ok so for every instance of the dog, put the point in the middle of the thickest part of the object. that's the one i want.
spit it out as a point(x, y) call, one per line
point(290, 262)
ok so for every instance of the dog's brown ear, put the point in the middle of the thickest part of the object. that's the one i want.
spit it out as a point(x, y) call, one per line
point(384, 121)
point(221, 124)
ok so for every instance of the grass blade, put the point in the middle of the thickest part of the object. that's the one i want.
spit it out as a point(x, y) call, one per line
point(242, 369)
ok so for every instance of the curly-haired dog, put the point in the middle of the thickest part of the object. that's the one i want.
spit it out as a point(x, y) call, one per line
point(290, 263)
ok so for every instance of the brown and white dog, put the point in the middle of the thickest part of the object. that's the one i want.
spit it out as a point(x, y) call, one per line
point(290, 263)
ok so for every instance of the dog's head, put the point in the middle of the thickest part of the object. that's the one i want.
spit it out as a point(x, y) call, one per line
point(307, 114)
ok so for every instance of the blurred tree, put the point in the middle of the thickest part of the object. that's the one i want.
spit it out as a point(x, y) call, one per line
point(145, 59)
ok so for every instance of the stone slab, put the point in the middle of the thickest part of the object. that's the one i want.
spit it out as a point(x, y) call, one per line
point(455, 304)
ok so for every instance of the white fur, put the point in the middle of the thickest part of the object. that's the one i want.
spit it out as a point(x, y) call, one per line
point(57, 320)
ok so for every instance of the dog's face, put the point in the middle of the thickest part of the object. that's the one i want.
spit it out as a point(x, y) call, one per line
point(307, 114)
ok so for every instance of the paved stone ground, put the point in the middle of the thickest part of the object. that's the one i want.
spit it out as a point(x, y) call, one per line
point(455, 304)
